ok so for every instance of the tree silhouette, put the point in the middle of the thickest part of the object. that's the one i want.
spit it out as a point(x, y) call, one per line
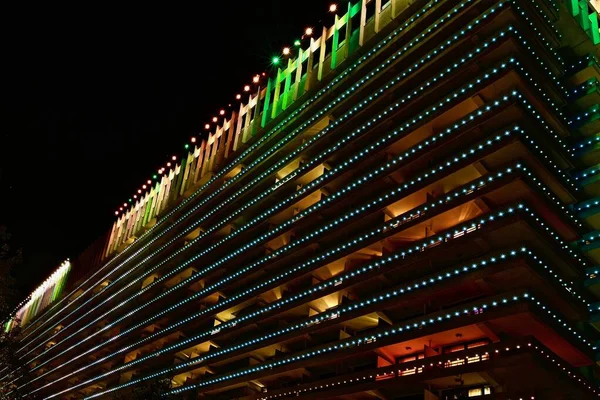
point(10, 365)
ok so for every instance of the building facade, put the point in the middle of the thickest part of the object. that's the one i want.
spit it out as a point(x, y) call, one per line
point(409, 208)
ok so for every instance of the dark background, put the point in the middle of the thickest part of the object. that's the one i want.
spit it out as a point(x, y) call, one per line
point(98, 99)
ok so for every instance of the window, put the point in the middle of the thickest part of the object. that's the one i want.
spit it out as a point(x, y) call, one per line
point(370, 10)
point(341, 36)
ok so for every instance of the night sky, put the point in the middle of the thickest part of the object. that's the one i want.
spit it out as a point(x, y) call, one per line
point(97, 99)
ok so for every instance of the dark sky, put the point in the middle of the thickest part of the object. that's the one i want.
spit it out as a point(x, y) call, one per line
point(97, 99)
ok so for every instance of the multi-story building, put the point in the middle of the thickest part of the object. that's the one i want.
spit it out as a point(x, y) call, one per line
point(407, 209)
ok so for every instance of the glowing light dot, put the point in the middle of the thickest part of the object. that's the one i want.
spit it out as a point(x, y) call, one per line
point(207, 126)
point(193, 140)
point(286, 51)
point(275, 60)
point(149, 182)
point(215, 119)
point(333, 8)
point(143, 186)
point(174, 158)
point(222, 112)
point(247, 88)
point(256, 79)
point(168, 164)
point(297, 43)
point(238, 96)
point(139, 191)
point(308, 31)
point(116, 213)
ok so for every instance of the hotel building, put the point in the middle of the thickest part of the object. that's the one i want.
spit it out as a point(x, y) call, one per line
point(406, 207)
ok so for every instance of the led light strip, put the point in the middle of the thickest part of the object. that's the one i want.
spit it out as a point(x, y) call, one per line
point(584, 87)
point(222, 304)
point(550, 22)
point(588, 204)
point(582, 118)
point(306, 167)
point(370, 376)
point(548, 46)
point(582, 145)
point(590, 237)
point(226, 169)
point(583, 62)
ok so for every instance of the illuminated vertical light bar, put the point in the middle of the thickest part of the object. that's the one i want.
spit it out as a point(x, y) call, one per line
point(586, 14)
point(335, 44)
point(288, 82)
point(267, 103)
